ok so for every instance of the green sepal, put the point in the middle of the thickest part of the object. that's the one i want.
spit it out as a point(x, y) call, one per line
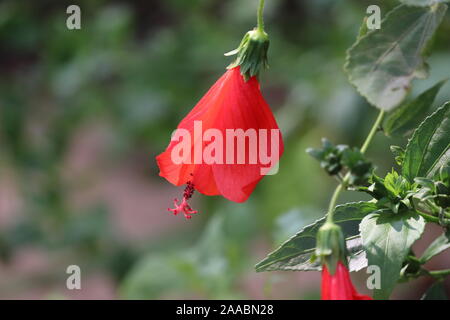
point(251, 53)
point(330, 247)
point(329, 156)
point(360, 170)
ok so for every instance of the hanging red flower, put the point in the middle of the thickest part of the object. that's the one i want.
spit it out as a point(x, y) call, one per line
point(225, 145)
point(339, 286)
point(230, 139)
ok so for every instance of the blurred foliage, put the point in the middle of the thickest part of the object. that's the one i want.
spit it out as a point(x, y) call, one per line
point(135, 68)
point(207, 268)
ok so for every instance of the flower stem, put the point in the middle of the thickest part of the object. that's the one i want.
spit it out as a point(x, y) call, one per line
point(333, 201)
point(261, 16)
point(372, 132)
point(428, 217)
point(437, 209)
point(439, 273)
point(364, 148)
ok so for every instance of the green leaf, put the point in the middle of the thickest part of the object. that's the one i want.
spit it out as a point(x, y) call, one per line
point(382, 64)
point(440, 244)
point(357, 256)
point(295, 253)
point(435, 292)
point(396, 185)
point(422, 3)
point(429, 148)
point(408, 116)
point(387, 239)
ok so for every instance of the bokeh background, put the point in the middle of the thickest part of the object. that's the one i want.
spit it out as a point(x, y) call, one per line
point(83, 113)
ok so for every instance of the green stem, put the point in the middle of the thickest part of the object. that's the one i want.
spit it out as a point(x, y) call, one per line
point(414, 259)
point(431, 218)
point(334, 199)
point(428, 217)
point(372, 132)
point(437, 209)
point(364, 148)
point(261, 16)
point(439, 273)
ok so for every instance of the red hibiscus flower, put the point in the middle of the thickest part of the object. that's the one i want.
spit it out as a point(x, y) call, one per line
point(339, 286)
point(215, 162)
point(230, 139)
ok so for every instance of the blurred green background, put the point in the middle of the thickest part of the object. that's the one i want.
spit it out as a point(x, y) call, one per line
point(83, 113)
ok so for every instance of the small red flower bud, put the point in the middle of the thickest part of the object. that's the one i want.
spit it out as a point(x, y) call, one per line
point(339, 286)
point(332, 251)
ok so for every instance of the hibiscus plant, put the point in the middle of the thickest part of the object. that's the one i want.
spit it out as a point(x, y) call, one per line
point(376, 234)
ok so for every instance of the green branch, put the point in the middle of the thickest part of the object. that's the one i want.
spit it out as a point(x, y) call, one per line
point(439, 273)
point(261, 16)
point(431, 218)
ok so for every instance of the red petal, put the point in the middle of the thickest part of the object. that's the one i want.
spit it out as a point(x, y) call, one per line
point(243, 108)
point(339, 286)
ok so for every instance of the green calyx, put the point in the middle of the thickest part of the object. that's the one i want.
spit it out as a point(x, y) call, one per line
point(251, 53)
point(330, 247)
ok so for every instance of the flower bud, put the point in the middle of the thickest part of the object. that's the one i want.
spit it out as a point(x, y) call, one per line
point(330, 247)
